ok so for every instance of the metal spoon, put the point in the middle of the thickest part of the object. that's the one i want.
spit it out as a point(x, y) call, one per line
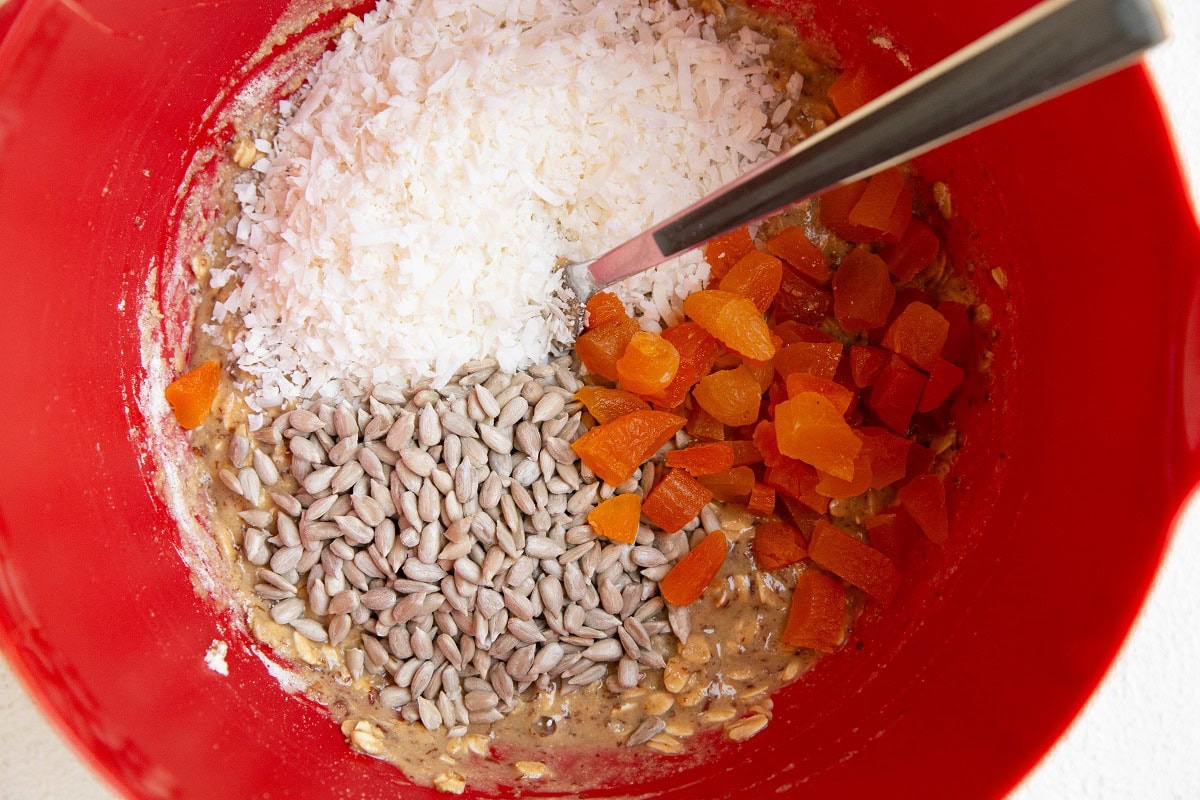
point(1055, 46)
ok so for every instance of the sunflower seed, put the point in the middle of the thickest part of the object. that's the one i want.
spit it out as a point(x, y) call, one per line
point(459, 424)
point(355, 530)
point(650, 727)
point(419, 462)
point(549, 406)
point(464, 482)
point(431, 718)
point(680, 620)
point(603, 650)
point(497, 438)
point(310, 629)
point(513, 411)
point(592, 674)
point(305, 421)
point(525, 631)
point(401, 432)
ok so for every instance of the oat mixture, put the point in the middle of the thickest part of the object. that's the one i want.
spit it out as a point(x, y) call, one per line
point(424, 553)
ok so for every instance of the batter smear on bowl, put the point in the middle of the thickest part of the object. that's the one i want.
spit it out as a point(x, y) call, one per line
point(488, 549)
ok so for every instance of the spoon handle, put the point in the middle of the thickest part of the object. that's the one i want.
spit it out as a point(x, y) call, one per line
point(1055, 46)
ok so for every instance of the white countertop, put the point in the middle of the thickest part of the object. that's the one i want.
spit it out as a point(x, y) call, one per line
point(1138, 737)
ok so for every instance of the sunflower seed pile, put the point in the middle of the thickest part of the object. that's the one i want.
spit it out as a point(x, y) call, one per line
point(438, 539)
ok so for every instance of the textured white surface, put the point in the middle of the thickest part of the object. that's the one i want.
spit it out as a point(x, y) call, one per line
point(1138, 737)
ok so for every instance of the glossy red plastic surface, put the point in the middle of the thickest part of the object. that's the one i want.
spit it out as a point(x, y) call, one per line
point(1070, 475)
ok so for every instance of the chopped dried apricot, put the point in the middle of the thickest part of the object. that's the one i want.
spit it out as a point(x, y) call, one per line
point(944, 378)
point(745, 452)
point(888, 454)
point(191, 395)
point(764, 440)
point(800, 300)
point(885, 206)
point(762, 500)
point(614, 450)
point(703, 459)
point(924, 498)
point(817, 617)
point(601, 346)
point(648, 364)
point(918, 334)
point(617, 518)
point(892, 533)
point(797, 480)
point(605, 405)
point(675, 501)
point(732, 396)
point(604, 307)
point(777, 544)
point(866, 362)
point(731, 486)
point(915, 251)
point(815, 358)
point(723, 251)
point(839, 395)
point(756, 277)
point(733, 320)
point(837, 489)
point(862, 292)
point(692, 574)
point(895, 394)
point(794, 247)
point(697, 351)
point(854, 561)
point(703, 425)
point(854, 88)
point(811, 429)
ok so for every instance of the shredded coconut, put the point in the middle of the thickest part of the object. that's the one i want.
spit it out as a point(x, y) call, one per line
point(447, 154)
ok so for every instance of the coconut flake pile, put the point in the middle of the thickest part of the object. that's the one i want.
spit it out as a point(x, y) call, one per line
point(447, 154)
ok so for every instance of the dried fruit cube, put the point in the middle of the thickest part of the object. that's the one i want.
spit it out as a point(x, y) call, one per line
point(888, 454)
point(811, 429)
point(605, 405)
point(617, 518)
point(732, 396)
point(604, 307)
point(817, 617)
point(944, 378)
point(918, 334)
point(675, 501)
point(762, 500)
point(601, 346)
point(866, 362)
point(885, 206)
point(614, 450)
point(702, 425)
point(815, 358)
point(800, 300)
point(703, 459)
point(191, 395)
point(777, 544)
point(862, 291)
point(915, 251)
point(648, 364)
point(697, 351)
point(691, 575)
point(733, 320)
point(840, 396)
point(794, 247)
point(837, 489)
point(756, 277)
point(798, 481)
point(895, 395)
point(924, 498)
point(854, 561)
point(723, 251)
point(731, 486)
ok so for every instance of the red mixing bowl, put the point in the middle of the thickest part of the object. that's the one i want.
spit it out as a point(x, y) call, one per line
point(1067, 487)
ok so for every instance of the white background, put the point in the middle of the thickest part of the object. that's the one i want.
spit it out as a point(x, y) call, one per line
point(1139, 737)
